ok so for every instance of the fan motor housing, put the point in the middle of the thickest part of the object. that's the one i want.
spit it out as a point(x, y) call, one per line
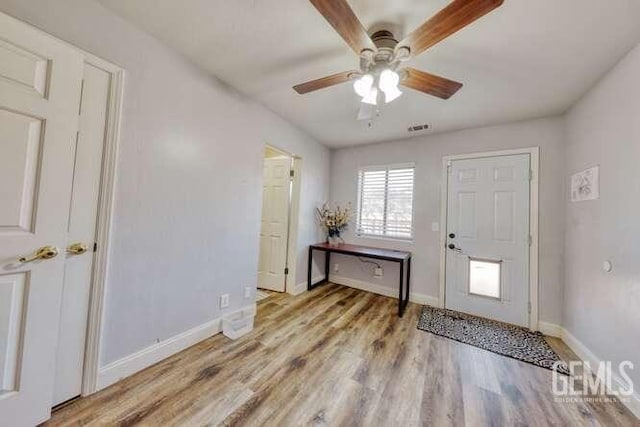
point(384, 39)
point(385, 42)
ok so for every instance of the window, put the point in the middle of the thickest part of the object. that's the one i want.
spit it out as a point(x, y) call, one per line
point(385, 201)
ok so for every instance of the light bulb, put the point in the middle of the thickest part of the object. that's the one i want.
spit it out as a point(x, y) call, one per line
point(389, 85)
point(391, 94)
point(371, 97)
point(388, 79)
point(363, 85)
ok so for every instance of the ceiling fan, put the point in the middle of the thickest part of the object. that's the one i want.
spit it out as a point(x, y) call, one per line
point(381, 54)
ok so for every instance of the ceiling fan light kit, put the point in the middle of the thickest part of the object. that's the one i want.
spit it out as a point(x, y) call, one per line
point(371, 98)
point(363, 85)
point(381, 54)
point(388, 84)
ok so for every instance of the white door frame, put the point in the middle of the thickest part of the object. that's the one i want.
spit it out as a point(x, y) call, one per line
point(534, 154)
point(294, 211)
point(104, 221)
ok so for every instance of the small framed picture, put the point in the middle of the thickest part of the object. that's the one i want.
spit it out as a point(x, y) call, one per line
point(585, 185)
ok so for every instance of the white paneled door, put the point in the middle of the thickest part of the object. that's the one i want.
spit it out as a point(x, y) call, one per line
point(274, 225)
point(40, 85)
point(487, 261)
point(81, 232)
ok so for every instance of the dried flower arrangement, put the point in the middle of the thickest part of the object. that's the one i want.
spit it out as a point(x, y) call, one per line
point(334, 220)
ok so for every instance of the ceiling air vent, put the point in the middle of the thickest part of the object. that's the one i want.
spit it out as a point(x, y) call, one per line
point(417, 128)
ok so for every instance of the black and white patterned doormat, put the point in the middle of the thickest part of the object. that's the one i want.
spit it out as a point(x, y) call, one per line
point(501, 338)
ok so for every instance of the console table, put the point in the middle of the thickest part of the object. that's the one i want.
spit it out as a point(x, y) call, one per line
point(401, 257)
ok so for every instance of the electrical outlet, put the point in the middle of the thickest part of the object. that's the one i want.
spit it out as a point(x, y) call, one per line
point(377, 272)
point(224, 301)
point(247, 291)
point(336, 267)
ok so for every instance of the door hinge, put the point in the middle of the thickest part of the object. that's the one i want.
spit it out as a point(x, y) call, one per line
point(530, 174)
point(449, 168)
point(530, 240)
point(291, 173)
point(286, 270)
point(529, 308)
point(95, 246)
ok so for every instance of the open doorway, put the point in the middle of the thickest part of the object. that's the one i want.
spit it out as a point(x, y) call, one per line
point(276, 265)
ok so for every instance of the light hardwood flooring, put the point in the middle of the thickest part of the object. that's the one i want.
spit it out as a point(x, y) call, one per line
point(337, 356)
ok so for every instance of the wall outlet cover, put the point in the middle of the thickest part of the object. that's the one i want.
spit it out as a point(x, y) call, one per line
point(377, 272)
point(247, 291)
point(336, 268)
point(224, 301)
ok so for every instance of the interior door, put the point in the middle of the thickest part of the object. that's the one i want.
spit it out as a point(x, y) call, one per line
point(81, 230)
point(40, 80)
point(274, 225)
point(487, 261)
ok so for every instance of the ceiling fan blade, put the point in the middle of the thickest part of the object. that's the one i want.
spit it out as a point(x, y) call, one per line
point(324, 82)
point(452, 18)
point(345, 22)
point(430, 83)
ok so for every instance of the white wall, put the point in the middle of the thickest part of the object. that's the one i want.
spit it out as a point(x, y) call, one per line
point(188, 193)
point(427, 153)
point(602, 310)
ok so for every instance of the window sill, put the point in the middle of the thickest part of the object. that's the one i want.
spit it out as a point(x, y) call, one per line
point(408, 240)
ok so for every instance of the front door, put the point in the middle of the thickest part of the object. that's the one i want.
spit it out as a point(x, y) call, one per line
point(40, 81)
point(487, 261)
point(275, 223)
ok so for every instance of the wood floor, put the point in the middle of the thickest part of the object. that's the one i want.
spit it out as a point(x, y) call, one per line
point(337, 356)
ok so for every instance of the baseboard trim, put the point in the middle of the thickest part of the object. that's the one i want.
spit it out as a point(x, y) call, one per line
point(550, 329)
point(302, 287)
point(383, 290)
point(586, 355)
point(129, 365)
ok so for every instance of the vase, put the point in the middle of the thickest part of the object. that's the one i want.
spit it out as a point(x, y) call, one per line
point(334, 240)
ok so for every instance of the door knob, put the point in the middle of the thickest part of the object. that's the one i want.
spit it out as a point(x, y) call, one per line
point(45, 252)
point(453, 248)
point(77, 248)
point(452, 235)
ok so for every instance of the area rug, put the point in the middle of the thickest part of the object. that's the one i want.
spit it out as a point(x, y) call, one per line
point(497, 337)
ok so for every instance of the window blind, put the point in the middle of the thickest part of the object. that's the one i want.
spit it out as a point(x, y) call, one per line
point(385, 202)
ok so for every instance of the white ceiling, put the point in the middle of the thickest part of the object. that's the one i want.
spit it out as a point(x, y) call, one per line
point(527, 59)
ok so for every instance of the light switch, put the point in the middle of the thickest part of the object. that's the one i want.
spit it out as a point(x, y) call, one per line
point(435, 226)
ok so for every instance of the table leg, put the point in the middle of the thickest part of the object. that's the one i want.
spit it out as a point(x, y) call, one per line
point(401, 285)
point(309, 268)
point(327, 264)
point(408, 293)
